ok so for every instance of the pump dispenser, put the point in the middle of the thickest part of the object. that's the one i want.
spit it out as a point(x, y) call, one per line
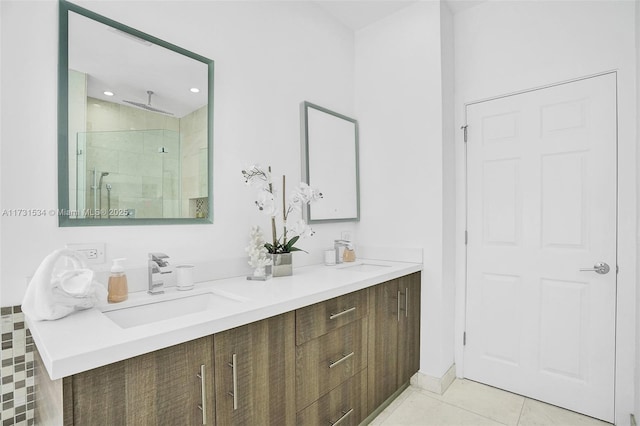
point(118, 289)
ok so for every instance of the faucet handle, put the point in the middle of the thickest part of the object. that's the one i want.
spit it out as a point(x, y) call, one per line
point(158, 258)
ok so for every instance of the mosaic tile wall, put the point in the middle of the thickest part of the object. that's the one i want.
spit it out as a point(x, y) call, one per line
point(17, 380)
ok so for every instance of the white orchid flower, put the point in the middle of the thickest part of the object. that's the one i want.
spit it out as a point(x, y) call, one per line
point(303, 194)
point(309, 194)
point(300, 228)
point(266, 203)
point(256, 176)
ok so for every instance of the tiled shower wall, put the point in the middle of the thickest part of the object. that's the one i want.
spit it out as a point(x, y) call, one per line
point(17, 379)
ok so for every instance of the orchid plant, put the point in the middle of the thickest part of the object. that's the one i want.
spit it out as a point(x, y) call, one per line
point(293, 229)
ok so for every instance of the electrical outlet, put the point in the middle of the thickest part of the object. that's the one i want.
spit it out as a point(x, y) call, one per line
point(93, 252)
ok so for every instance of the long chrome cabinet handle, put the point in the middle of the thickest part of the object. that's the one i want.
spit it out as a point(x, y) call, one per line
point(344, 416)
point(234, 372)
point(406, 302)
point(203, 392)
point(344, 358)
point(339, 314)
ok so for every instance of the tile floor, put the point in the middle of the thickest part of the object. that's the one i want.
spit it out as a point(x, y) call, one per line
point(468, 403)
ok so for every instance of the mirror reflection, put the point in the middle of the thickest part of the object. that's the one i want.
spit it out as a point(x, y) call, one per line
point(331, 138)
point(138, 128)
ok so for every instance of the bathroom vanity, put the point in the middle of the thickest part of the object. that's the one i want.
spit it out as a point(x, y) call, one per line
point(328, 345)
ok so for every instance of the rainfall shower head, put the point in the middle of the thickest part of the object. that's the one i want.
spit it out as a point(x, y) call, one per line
point(147, 106)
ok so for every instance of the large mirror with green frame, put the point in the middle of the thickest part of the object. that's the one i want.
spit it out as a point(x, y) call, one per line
point(135, 119)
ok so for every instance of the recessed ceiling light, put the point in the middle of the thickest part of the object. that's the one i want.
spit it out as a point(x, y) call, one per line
point(108, 93)
point(194, 90)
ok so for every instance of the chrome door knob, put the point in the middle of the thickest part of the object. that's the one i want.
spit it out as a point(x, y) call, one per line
point(599, 268)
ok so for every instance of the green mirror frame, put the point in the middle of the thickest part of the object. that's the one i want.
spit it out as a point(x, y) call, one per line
point(64, 213)
point(330, 163)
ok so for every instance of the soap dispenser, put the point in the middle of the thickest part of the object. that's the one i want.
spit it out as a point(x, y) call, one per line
point(349, 254)
point(118, 289)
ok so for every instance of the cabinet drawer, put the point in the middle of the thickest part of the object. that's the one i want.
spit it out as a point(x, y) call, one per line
point(315, 320)
point(325, 362)
point(345, 405)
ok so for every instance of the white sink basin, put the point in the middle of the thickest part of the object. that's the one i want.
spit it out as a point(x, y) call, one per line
point(159, 310)
point(364, 267)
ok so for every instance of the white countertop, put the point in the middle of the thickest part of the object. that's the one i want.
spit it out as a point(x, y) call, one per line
point(89, 339)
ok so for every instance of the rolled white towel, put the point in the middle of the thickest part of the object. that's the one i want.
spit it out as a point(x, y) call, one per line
point(56, 290)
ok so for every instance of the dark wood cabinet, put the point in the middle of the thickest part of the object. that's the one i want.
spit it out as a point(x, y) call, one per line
point(345, 405)
point(409, 327)
point(318, 319)
point(383, 342)
point(324, 363)
point(331, 360)
point(255, 373)
point(394, 336)
point(334, 361)
point(165, 387)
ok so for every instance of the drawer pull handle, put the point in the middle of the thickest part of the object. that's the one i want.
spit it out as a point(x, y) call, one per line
point(203, 392)
point(344, 358)
point(339, 314)
point(234, 394)
point(344, 416)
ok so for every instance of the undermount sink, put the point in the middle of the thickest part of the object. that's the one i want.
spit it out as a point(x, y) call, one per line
point(364, 267)
point(159, 310)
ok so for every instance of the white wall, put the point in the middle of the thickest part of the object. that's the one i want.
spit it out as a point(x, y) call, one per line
point(269, 56)
point(2, 48)
point(637, 366)
point(502, 47)
point(399, 105)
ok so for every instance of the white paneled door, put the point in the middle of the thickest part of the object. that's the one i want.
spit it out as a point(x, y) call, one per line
point(541, 181)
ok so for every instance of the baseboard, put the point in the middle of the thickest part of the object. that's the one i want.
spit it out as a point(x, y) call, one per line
point(434, 384)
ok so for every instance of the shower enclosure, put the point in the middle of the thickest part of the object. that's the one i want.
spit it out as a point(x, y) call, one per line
point(134, 173)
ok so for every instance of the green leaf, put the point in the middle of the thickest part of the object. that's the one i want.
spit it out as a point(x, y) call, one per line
point(298, 249)
point(291, 242)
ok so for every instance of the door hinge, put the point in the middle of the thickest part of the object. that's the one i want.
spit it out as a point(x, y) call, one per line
point(464, 339)
point(617, 269)
point(466, 237)
point(464, 129)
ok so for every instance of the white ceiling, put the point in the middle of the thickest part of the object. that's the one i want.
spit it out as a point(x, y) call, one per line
point(356, 14)
point(127, 66)
point(359, 14)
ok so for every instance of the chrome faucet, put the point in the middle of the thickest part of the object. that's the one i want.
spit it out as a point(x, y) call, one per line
point(157, 261)
point(337, 244)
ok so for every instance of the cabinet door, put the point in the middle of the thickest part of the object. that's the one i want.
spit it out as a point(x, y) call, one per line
point(383, 342)
point(98, 396)
point(255, 373)
point(166, 387)
point(158, 388)
point(409, 327)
